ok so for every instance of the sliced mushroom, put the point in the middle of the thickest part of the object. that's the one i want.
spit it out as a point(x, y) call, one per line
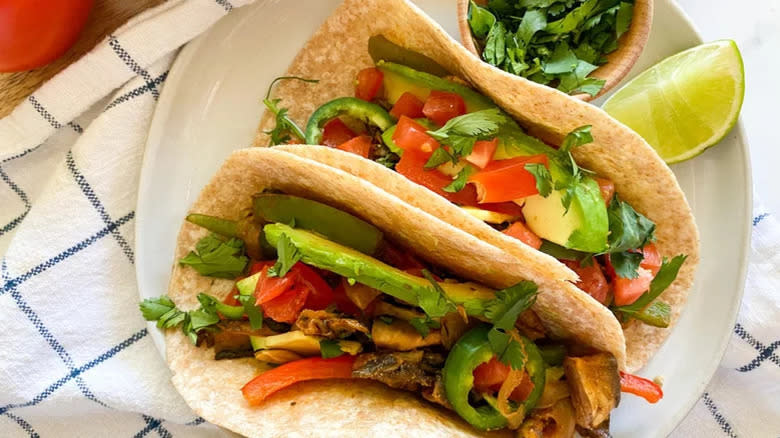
point(554, 422)
point(555, 388)
point(401, 336)
point(594, 383)
point(403, 370)
point(328, 324)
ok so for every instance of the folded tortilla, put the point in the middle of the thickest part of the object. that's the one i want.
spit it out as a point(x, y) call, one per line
point(340, 408)
point(339, 49)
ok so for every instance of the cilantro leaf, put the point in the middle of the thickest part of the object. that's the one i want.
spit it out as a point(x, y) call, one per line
point(533, 21)
point(285, 128)
point(439, 157)
point(459, 183)
point(495, 45)
point(562, 60)
point(665, 276)
point(480, 20)
point(288, 255)
point(624, 15)
point(508, 350)
point(626, 263)
point(578, 137)
point(509, 303)
point(153, 308)
point(330, 348)
point(434, 302)
point(424, 325)
point(543, 178)
point(252, 310)
point(628, 229)
point(214, 257)
point(460, 133)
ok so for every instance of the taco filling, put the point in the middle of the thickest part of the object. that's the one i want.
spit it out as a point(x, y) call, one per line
point(322, 294)
point(443, 135)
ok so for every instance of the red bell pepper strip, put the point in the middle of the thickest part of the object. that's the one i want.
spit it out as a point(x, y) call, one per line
point(313, 368)
point(640, 386)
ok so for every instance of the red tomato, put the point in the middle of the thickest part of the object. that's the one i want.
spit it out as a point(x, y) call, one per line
point(320, 294)
point(301, 370)
point(519, 231)
point(360, 145)
point(412, 137)
point(369, 81)
point(287, 306)
point(269, 288)
point(640, 386)
point(607, 189)
point(256, 267)
point(407, 105)
point(482, 153)
point(592, 279)
point(441, 106)
point(35, 32)
point(335, 132)
point(628, 290)
point(652, 259)
point(411, 166)
point(506, 180)
point(490, 374)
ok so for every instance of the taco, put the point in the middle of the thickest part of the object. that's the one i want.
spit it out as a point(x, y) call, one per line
point(519, 165)
point(311, 302)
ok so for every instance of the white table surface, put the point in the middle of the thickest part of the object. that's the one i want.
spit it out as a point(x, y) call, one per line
point(756, 29)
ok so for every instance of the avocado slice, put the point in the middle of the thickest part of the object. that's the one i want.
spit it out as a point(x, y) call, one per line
point(399, 79)
point(380, 48)
point(299, 343)
point(333, 223)
point(325, 254)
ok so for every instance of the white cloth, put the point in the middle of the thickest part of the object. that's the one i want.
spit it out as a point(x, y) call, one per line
point(75, 356)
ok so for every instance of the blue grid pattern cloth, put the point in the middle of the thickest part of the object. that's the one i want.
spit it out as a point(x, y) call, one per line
point(75, 355)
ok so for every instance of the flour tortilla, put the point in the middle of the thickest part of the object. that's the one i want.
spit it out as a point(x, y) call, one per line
point(212, 388)
point(339, 49)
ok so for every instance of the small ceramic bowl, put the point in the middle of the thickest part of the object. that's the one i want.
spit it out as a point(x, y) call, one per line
point(619, 62)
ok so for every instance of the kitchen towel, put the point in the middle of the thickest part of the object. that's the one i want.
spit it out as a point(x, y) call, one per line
point(76, 358)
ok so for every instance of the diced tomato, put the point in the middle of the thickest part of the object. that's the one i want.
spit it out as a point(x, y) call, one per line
point(256, 267)
point(652, 259)
point(398, 258)
point(287, 306)
point(640, 386)
point(369, 81)
point(441, 106)
point(523, 390)
point(301, 370)
point(335, 132)
point(519, 231)
point(411, 166)
point(269, 288)
point(607, 189)
point(592, 279)
point(628, 290)
point(506, 180)
point(320, 293)
point(490, 374)
point(360, 145)
point(483, 151)
point(412, 137)
point(509, 208)
point(407, 105)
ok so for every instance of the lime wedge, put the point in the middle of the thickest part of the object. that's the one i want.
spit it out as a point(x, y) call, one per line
point(685, 103)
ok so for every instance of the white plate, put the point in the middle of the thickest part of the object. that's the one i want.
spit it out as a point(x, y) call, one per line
point(211, 105)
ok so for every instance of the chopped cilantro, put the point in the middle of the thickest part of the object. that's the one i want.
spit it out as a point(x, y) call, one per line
point(508, 350)
point(543, 178)
point(214, 257)
point(167, 315)
point(434, 302)
point(460, 133)
point(628, 229)
point(509, 303)
point(285, 128)
point(439, 157)
point(330, 348)
point(626, 263)
point(460, 181)
point(424, 325)
point(642, 308)
point(288, 255)
point(553, 42)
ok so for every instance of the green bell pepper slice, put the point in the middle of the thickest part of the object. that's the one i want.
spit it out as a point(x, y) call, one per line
point(366, 112)
point(471, 350)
